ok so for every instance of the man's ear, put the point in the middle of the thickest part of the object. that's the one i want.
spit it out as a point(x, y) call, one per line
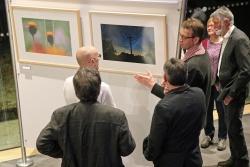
point(227, 22)
point(196, 40)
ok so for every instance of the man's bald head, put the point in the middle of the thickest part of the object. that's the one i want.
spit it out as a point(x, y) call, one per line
point(88, 57)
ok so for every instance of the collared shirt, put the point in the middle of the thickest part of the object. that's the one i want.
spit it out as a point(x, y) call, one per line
point(178, 89)
point(224, 43)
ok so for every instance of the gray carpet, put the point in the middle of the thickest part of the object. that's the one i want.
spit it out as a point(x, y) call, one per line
point(210, 156)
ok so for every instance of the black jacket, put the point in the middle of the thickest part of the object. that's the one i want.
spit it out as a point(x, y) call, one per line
point(199, 75)
point(176, 124)
point(87, 135)
point(234, 73)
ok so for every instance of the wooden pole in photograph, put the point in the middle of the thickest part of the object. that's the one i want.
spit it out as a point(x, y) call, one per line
point(24, 161)
point(182, 9)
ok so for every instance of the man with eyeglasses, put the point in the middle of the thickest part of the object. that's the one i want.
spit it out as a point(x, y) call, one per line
point(87, 57)
point(195, 56)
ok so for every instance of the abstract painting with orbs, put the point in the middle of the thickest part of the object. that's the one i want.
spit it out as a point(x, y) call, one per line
point(135, 44)
point(44, 36)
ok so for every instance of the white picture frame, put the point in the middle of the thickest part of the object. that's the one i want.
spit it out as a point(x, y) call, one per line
point(46, 36)
point(148, 30)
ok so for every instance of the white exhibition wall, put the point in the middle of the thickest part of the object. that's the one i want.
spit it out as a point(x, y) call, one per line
point(40, 87)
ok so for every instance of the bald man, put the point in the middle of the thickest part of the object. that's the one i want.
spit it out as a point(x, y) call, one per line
point(87, 57)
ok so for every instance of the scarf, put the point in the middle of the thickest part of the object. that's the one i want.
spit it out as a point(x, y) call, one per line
point(194, 51)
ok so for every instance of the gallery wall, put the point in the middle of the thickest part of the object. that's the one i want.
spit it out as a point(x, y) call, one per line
point(40, 86)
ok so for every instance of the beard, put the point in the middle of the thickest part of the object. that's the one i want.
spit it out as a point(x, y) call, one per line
point(218, 32)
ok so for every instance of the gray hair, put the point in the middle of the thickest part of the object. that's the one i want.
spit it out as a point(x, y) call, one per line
point(224, 12)
point(176, 71)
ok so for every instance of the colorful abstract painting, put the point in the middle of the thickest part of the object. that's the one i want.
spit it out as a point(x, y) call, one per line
point(134, 44)
point(50, 37)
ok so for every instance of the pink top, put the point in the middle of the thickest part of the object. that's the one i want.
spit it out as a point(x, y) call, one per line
point(213, 50)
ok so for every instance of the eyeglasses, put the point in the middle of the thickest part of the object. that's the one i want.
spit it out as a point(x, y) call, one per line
point(182, 37)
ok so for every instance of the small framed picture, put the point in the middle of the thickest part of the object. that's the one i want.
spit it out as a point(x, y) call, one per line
point(46, 36)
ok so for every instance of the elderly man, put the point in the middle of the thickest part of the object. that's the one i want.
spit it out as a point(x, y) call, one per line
point(87, 133)
point(87, 57)
point(233, 75)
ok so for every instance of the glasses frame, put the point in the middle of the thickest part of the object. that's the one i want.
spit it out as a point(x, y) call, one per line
point(182, 37)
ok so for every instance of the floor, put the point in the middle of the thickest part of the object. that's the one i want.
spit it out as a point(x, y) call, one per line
point(15, 154)
point(210, 156)
point(9, 134)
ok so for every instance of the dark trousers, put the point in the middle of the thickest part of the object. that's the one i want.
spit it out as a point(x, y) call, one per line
point(238, 148)
point(209, 128)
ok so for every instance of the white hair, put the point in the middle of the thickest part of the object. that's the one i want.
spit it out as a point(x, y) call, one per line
point(224, 12)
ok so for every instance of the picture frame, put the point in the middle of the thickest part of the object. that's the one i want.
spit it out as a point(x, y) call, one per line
point(46, 36)
point(129, 43)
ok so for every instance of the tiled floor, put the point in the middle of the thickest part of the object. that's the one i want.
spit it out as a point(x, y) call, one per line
point(210, 156)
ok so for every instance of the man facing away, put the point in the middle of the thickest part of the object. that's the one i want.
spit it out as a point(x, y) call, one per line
point(87, 133)
point(177, 121)
point(87, 57)
point(233, 75)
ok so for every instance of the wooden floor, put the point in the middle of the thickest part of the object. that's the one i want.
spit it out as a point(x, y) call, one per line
point(16, 153)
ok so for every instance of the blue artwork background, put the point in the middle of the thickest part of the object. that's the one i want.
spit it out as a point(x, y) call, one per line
point(134, 44)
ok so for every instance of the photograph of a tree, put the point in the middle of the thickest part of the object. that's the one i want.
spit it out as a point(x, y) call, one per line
point(134, 44)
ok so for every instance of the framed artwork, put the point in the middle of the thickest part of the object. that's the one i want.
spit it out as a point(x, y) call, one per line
point(46, 36)
point(130, 43)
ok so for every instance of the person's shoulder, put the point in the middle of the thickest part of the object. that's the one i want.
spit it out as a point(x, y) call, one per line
point(164, 103)
point(64, 109)
point(196, 90)
point(165, 108)
point(199, 60)
point(105, 85)
point(105, 89)
point(110, 112)
point(238, 34)
point(109, 109)
point(61, 114)
point(69, 79)
point(203, 56)
point(193, 63)
point(205, 42)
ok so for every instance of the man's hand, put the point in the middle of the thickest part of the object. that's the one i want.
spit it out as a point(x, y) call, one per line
point(145, 79)
point(227, 100)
